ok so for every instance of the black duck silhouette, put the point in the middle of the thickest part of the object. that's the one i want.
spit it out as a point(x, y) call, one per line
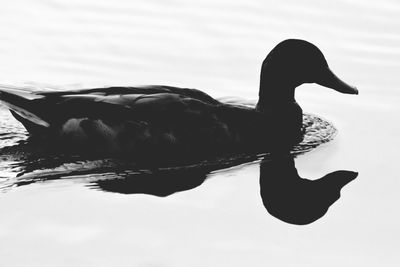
point(166, 125)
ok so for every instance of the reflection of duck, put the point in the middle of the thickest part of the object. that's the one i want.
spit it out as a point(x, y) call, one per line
point(293, 199)
point(163, 123)
point(158, 183)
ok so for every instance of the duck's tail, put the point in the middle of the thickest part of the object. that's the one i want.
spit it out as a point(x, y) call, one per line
point(23, 107)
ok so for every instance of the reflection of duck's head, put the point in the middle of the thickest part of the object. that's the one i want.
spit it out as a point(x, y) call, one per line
point(293, 199)
point(290, 64)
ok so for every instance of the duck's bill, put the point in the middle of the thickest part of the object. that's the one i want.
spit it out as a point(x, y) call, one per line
point(332, 81)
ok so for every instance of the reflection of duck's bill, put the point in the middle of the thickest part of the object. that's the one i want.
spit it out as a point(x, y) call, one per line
point(346, 177)
point(332, 81)
point(339, 179)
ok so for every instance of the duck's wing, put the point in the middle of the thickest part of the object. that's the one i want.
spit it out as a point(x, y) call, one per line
point(139, 90)
point(41, 110)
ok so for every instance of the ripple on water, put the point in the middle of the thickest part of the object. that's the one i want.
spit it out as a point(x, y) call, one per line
point(317, 131)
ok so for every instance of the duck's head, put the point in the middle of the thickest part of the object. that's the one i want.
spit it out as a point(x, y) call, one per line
point(292, 63)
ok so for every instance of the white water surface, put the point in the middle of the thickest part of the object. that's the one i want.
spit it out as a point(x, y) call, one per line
point(216, 46)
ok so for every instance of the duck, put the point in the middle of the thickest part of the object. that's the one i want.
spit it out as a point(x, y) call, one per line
point(166, 124)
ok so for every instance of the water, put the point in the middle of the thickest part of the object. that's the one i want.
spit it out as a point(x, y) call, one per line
point(216, 46)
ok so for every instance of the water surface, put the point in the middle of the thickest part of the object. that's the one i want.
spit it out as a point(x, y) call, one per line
point(216, 46)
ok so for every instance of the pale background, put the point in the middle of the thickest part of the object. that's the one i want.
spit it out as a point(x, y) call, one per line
point(216, 46)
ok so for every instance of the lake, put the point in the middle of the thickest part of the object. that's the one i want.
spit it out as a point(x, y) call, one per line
point(216, 46)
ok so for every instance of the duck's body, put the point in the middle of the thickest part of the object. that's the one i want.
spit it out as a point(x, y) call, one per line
point(163, 123)
point(152, 122)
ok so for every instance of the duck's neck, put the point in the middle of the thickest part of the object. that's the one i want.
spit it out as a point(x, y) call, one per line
point(284, 117)
point(275, 93)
